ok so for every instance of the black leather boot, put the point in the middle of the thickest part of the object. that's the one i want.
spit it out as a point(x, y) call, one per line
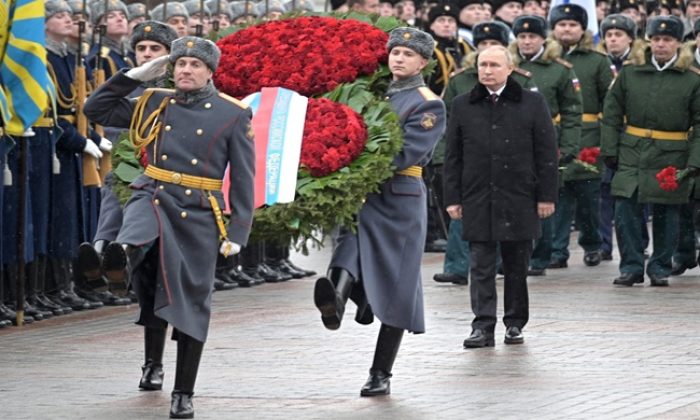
point(252, 263)
point(189, 352)
point(7, 314)
point(330, 295)
point(275, 259)
point(288, 262)
point(42, 287)
point(63, 293)
point(12, 272)
point(89, 264)
point(35, 286)
point(388, 344)
point(152, 370)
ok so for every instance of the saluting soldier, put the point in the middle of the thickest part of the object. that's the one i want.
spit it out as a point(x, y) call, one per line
point(556, 80)
point(173, 221)
point(379, 265)
point(580, 193)
point(656, 96)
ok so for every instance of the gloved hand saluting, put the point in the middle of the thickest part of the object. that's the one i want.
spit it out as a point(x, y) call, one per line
point(229, 248)
point(92, 149)
point(149, 71)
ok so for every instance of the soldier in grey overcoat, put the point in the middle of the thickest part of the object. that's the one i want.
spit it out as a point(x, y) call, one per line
point(172, 222)
point(380, 263)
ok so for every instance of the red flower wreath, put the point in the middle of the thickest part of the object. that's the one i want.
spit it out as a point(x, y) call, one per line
point(310, 55)
point(334, 136)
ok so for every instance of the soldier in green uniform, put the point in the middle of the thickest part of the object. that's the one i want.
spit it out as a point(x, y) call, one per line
point(657, 96)
point(580, 193)
point(556, 80)
point(484, 35)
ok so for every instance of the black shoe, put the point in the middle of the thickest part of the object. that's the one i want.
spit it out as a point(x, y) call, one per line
point(222, 274)
point(114, 265)
point(378, 383)
point(283, 267)
point(557, 264)
point(536, 272)
point(327, 301)
point(110, 299)
point(88, 263)
point(152, 376)
point(70, 300)
point(679, 268)
point(282, 275)
point(606, 256)
point(7, 313)
point(181, 405)
point(514, 336)
point(241, 278)
point(629, 279)
point(5, 323)
point(479, 338)
point(221, 285)
point(592, 258)
point(658, 280)
point(450, 278)
point(307, 273)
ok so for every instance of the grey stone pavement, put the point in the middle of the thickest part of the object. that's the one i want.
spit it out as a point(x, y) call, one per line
point(592, 351)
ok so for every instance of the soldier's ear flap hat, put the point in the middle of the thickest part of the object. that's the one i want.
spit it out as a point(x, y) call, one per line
point(77, 8)
point(174, 9)
point(151, 30)
point(98, 9)
point(461, 4)
point(491, 30)
point(415, 39)
point(628, 4)
point(443, 9)
point(621, 22)
point(54, 7)
point(568, 11)
point(533, 24)
point(665, 25)
point(137, 10)
point(192, 46)
point(497, 4)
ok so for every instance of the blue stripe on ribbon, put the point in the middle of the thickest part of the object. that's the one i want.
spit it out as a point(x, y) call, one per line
point(275, 144)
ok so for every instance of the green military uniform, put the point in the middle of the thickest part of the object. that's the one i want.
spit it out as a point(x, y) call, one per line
point(659, 108)
point(581, 189)
point(556, 81)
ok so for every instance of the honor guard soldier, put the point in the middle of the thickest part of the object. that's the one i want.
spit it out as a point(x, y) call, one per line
point(138, 12)
point(581, 189)
point(486, 34)
point(274, 10)
point(505, 11)
point(648, 114)
point(243, 12)
point(556, 80)
point(199, 17)
point(470, 12)
point(173, 14)
point(173, 222)
point(77, 39)
point(449, 49)
point(379, 265)
point(221, 13)
point(108, 52)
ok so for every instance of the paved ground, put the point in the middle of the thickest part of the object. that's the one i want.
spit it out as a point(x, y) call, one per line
point(591, 351)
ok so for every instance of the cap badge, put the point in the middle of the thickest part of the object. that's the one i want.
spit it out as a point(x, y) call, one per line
point(190, 44)
point(406, 35)
point(147, 28)
point(526, 25)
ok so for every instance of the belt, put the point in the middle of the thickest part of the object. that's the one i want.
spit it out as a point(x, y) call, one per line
point(416, 171)
point(44, 123)
point(185, 180)
point(590, 117)
point(69, 118)
point(656, 134)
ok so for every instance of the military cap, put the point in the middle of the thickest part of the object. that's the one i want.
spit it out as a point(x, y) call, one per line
point(621, 5)
point(238, 9)
point(621, 22)
point(497, 4)
point(497, 31)
point(174, 9)
point(530, 23)
point(665, 25)
point(192, 46)
point(77, 8)
point(443, 9)
point(54, 7)
point(193, 8)
point(461, 4)
point(137, 10)
point(415, 39)
point(152, 30)
point(98, 9)
point(219, 8)
point(654, 5)
point(272, 6)
point(568, 11)
point(300, 5)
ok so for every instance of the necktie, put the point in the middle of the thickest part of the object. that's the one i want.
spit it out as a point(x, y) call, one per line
point(494, 98)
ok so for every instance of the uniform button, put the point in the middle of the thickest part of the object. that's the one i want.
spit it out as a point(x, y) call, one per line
point(200, 131)
point(164, 157)
point(188, 192)
point(172, 101)
point(168, 128)
point(493, 127)
point(194, 161)
point(505, 166)
point(156, 202)
point(161, 187)
point(507, 140)
point(183, 214)
point(207, 105)
point(386, 98)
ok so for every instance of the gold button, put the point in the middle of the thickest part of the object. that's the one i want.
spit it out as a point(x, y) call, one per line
point(176, 178)
point(156, 201)
point(194, 161)
point(161, 187)
point(172, 101)
point(183, 214)
point(164, 157)
point(188, 192)
point(168, 128)
point(207, 105)
point(200, 131)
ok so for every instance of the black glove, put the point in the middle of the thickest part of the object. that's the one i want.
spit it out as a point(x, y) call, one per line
point(693, 172)
point(611, 162)
point(566, 159)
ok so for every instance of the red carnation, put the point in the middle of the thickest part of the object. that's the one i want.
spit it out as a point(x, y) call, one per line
point(589, 155)
point(668, 178)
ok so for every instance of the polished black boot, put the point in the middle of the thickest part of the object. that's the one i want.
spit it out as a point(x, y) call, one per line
point(34, 286)
point(275, 259)
point(42, 287)
point(286, 253)
point(12, 272)
point(63, 292)
point(189, 352)
point(7, 314)
point(330, 295)
point(89, 265)
point(152, 370)
point(388, 344)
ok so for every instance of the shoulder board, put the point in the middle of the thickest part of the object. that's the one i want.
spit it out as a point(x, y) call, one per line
point(694, 70)
point(163, 90)
point(456, 72)
point(564, 63)
point(233, 100)
point(427, 94)
point(522, 72)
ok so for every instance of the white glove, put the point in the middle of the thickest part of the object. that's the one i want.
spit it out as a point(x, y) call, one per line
point(229, 248)
point(149, 71)
point(105, 145)
point(92, 149)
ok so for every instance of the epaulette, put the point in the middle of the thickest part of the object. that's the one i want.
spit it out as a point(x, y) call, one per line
point(456, 72)
point(564, 63)
point(428, 94)
point(694, 70)
point(233, 100)
point(522, 72)
point(161, 90)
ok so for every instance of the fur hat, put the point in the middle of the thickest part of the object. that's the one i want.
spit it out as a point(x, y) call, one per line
point(152, 30)
point(415, 39)
point(219, 7)
point(497, 4)
point(618, 21)
point(238, 9)
point(569, 11)
point(174, 9)
point(54, 7)
point(137, 10)
point(193, 8)
point(77, 8)
point(192, 46)
point(665, 25)
point(491, 30)
point(533, 24)
point(272, 6)
point(443, 9)
point(98, 9)
point(299, 5)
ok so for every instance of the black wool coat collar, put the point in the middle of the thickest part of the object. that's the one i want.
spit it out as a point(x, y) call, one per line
point(513, 92)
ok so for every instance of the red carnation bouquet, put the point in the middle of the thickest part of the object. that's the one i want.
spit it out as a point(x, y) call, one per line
point(669, 178)
point(588, 158)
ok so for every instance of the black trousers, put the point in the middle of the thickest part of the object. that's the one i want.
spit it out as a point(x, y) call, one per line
point(516, 258)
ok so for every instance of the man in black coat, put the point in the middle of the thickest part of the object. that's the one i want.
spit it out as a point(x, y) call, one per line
point(500, 179)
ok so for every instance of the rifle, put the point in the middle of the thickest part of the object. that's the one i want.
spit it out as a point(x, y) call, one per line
point(199, 31)
point(105, 164)
point(91, 175)
point(215, 24)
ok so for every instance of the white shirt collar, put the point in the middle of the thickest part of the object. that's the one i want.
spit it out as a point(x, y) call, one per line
point(498, 92)
point(668, 64)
